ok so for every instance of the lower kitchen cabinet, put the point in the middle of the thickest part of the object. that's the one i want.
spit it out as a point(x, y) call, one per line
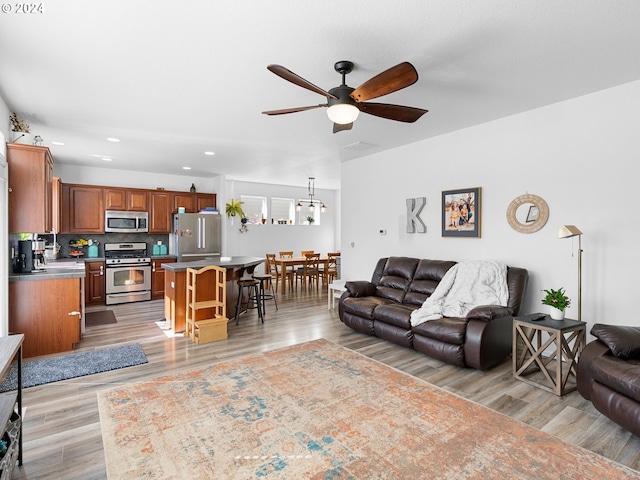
point(157, 278)
point(94, 288)
point(47, 312)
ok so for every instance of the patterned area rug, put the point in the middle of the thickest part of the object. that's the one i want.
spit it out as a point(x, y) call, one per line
point(62, 367)
point(318, 410)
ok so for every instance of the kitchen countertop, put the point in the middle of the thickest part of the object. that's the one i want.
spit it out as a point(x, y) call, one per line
point(235, 262)
point(63, 268)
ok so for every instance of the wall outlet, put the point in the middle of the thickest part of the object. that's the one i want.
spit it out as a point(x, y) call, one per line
point(383, 231)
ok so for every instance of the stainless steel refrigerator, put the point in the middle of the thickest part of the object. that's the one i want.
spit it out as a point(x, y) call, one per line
point(196, 236)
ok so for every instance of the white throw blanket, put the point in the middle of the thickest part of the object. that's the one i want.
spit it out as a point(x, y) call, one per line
point(465, 286)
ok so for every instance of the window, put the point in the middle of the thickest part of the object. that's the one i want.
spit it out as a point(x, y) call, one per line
point(254, 208)
point(306, 216)
point(282, 211)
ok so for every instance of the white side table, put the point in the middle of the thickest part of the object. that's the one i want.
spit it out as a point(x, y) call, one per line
point(336, 289)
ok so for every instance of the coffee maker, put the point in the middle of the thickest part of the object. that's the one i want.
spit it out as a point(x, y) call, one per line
point(23, 263)
point(39, 260)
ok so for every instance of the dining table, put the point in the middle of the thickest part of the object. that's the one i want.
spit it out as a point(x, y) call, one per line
point(285, 262)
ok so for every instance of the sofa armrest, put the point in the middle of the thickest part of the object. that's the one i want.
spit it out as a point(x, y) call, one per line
point(489, 312)
point(361, 288)
point(624, 342)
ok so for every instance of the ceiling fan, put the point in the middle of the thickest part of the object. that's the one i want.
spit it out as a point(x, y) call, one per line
point(345, 103)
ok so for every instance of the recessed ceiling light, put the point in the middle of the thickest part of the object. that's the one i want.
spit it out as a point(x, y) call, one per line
point(209, 153)
point(107, 159)
point(57, 143)
point(113, 139)
point(186, 168)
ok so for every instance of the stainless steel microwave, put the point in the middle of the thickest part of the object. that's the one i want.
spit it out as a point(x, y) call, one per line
point(126, 222)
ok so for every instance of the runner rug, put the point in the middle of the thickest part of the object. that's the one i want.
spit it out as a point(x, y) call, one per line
point(321, 411)
point(39, 371)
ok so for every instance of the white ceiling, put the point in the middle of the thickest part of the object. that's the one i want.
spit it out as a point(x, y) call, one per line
point(174, 79)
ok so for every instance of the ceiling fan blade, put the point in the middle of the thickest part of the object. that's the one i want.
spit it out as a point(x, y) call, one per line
point(391, 80)
point(339, 127)
point(292, 110)
point(392, 112)
point(298, 80)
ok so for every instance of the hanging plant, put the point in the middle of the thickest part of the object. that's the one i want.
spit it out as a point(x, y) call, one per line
point(233, 208)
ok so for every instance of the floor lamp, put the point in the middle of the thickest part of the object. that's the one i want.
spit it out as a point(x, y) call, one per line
point(567, 231)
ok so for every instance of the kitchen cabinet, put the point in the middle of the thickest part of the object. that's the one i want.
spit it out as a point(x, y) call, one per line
point(82, 209)
point(205, 200)
point(157, 277)
point(123, 199)
point(30, 188)
point(47, 312)
point(186, 200)
point(160, 203)
point(193, 202)
point(94, 288)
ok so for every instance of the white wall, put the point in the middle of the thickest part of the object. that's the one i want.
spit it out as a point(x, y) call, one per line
point(581, 156)
point(4, 222)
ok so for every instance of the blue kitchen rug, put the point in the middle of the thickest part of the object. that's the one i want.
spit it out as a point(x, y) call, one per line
point(53, 369)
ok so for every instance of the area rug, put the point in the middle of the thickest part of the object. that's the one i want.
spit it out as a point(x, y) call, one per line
point(62, 367)
point(99, 317)
point(321, 411)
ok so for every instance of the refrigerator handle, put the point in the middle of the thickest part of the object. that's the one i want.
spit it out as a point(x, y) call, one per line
point(204, 233)
point(199, 232)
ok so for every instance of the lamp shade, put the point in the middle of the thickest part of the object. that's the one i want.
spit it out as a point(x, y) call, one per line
point(342, 113)
point(566, 231)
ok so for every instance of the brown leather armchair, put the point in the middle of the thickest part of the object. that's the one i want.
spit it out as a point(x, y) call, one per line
point(609, 374)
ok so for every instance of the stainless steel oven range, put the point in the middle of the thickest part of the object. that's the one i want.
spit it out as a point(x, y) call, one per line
point(128, 272)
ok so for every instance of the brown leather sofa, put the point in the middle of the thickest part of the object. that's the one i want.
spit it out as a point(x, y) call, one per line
point(399, 285)
point(609, 374)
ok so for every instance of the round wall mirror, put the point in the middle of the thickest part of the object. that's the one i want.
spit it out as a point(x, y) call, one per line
point(527, 213)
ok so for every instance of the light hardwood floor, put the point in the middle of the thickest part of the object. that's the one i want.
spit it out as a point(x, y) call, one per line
point(62, 437)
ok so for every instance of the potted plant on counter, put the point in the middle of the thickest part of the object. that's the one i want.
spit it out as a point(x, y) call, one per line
point(557, 302)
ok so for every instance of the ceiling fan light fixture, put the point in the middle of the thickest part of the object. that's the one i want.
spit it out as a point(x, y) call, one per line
point(343, 113)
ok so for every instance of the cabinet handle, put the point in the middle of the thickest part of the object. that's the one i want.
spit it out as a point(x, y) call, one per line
point(153, 267)
point(74, 313)
point(101, 270)
point(10, 189)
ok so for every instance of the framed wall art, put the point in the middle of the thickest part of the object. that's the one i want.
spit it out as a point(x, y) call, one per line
point(461, 213)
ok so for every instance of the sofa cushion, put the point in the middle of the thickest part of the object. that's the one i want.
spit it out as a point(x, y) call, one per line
point(396, 277)
point(425, 280)
point(395, 314)
point(617, 374)
point(446, 329)
point(360, 288)
point(624, 342)
point(363, 306)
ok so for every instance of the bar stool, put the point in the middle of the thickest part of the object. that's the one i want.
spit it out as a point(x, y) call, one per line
point(266, 278)
point(253, 297)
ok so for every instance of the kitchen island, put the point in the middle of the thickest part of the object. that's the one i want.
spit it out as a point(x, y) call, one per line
point(175, 285)
point(47, 306)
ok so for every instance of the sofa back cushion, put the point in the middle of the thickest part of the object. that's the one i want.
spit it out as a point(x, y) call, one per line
point(517, 279)
point(425, 280)
point(396, 277)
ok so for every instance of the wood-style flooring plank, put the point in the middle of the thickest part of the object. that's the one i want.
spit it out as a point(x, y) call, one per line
point(62, 436)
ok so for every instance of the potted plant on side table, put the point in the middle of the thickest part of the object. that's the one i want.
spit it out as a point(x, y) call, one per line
point(557, 302)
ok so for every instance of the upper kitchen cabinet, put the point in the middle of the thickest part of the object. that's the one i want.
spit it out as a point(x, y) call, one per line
point(186, 200)
point(123, 199)
point(205, 200)
point(160, 203)
point(30, 188)
point(82, 209)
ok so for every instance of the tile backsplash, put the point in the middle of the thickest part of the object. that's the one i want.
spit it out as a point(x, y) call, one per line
point(64, 240)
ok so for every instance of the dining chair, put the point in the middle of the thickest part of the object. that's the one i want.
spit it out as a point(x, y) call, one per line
point(331, 273)
point(272, 268)
point(303, 253)
point(310, 272)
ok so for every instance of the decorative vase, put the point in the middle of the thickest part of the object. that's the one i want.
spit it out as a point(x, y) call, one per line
point(22, 138)
point(555, 313)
